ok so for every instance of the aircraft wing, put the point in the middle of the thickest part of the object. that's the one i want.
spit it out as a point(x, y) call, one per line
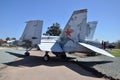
point(50, 46)
point(96, 49)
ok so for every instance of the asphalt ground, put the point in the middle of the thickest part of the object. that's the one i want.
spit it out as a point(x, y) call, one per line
point(34, 67)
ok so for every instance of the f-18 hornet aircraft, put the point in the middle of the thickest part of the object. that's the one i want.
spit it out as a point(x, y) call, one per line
point(76, 37)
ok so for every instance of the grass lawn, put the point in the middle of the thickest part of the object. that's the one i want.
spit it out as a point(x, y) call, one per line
point(115, 52)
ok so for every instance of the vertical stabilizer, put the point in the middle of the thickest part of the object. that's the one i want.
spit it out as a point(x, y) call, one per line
point(90, 29)
point(33, 31)
point(75, 29)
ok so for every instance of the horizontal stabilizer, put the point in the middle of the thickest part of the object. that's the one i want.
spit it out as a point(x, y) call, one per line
point(96, 49)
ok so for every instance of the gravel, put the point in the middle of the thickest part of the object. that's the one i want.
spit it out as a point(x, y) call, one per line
point(103, 64)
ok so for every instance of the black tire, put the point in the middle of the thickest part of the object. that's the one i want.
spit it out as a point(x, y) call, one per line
point(27, 53)
point(46, 57)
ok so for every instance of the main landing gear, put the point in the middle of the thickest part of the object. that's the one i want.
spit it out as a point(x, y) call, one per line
point(46, 56)
point(27, 53)
point(62, 55)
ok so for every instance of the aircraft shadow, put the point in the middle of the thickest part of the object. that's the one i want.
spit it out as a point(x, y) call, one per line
point(32, 61)
point(93, 63)
point(15, 54)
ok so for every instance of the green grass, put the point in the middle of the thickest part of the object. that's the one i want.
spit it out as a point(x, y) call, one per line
point(115, 52)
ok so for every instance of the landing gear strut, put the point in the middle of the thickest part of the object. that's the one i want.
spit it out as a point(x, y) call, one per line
point(46, 56)
point(63, 56)
point(27, 53)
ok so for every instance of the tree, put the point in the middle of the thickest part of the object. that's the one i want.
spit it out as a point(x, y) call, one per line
point(1, 42)
point(8, 38)
point(117, 44)
point(54, 30)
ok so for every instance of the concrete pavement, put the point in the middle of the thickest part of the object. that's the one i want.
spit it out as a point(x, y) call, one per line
point(35, 68)
point(7, 55)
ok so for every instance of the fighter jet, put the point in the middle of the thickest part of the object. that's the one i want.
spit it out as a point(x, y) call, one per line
point(76, 37)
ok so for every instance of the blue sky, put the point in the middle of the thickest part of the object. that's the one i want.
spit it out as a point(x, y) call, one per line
point(14, 14)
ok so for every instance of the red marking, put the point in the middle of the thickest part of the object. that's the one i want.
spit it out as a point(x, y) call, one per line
point(68, 32)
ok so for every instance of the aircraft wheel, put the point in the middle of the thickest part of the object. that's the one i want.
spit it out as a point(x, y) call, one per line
point(46, 57)
point(27, 53)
